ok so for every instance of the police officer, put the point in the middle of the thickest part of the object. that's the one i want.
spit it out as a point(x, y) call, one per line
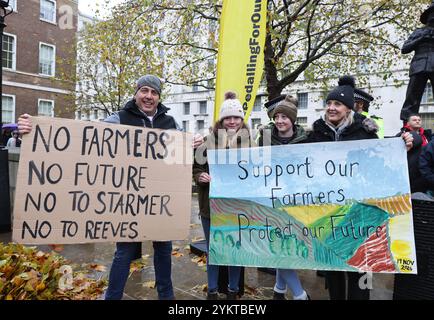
point(362, 101)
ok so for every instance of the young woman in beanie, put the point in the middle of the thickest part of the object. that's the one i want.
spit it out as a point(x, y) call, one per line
point(285, 131)
point(341, 123)
point(228, 132)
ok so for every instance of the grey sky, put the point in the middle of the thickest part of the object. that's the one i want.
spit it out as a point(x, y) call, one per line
point(88, 7)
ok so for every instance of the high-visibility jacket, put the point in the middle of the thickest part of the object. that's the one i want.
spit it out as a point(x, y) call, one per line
point(379, 121)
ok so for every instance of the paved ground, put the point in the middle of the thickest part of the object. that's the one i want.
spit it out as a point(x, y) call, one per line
point(189, 278)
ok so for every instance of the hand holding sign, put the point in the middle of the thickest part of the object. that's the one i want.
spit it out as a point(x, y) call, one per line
point(81, 182)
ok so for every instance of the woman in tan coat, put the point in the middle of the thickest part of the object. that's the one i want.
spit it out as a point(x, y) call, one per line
point(228, 132)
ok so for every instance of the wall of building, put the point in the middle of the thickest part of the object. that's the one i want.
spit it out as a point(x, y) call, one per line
point(25, 82)
point(388, 100)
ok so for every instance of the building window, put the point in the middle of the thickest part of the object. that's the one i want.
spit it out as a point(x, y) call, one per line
point(47, 54)
point(427, 120)
point(45, 108)
point(185, 126)
point(9, 51)
point(302, 100)
point(324, 99)
point(255, 123)
point(200, 125)
point(161, 51)
point(427, 95)
point(195, 87)
point(103, 114)
point(186, 107)
point(257, 104)
point(302, 121)
point(202, 107)
point(8, 108)
point(47, 11)
point(95, 114)
point(363, 66)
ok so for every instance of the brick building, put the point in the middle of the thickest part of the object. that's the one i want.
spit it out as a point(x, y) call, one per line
point(38, 46)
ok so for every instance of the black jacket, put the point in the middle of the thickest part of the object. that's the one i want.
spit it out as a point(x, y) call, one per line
point(131, 115)
point(426, 132)
point(422, 42)
point(426, 165)
point(360, 129)
point(417, 182)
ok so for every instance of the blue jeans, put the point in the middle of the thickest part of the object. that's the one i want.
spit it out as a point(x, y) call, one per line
point(212, 271)
point(127, 252)
point(288, 277)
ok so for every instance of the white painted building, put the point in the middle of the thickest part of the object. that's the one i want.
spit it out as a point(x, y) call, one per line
point(388, 99)
point(83, 112)
point(193, 108)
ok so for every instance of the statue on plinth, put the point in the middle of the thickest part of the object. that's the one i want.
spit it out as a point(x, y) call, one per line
point(421, 41)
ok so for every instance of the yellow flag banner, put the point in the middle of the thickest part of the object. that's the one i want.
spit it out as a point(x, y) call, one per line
point(240, 58)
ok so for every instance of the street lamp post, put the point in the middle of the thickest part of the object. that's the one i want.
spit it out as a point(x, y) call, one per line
point(5, 205)
point(4, 11)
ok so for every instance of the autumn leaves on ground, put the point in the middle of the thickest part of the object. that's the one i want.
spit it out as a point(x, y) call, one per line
point(27, 273)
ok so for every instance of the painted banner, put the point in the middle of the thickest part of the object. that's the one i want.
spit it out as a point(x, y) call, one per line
point(84, 182)
point(240, 57)
point(324, 206)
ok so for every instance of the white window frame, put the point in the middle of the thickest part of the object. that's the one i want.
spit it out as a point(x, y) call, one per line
point(427, 120)
point(252, 122)
point(306, 94)
point(300, 122)
point(187, 125)
point(55, 12)
point(427, 96)
point(46, 100)
point(54, 59)
point(14, 55)
point(201, 104)
point(14, 104)
point(197, 125)
point(186, 104)
point(257, 105)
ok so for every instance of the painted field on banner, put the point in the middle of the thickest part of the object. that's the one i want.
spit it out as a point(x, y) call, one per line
point(97, 182)
point(323, 206)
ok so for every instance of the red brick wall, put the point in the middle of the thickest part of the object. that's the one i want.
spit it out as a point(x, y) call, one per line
point(30, 31)
point(26, 101)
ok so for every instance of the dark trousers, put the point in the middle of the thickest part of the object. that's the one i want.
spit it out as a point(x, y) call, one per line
point(125, 253)
point(415, 89)
point(337, 286)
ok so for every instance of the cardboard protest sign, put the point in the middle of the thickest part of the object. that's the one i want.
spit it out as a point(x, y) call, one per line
point(329, 206)
point(97, 182)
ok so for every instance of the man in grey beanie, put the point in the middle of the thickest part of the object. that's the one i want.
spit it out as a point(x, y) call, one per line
point(151, 81)
point(144, 110)
point(145, 107)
